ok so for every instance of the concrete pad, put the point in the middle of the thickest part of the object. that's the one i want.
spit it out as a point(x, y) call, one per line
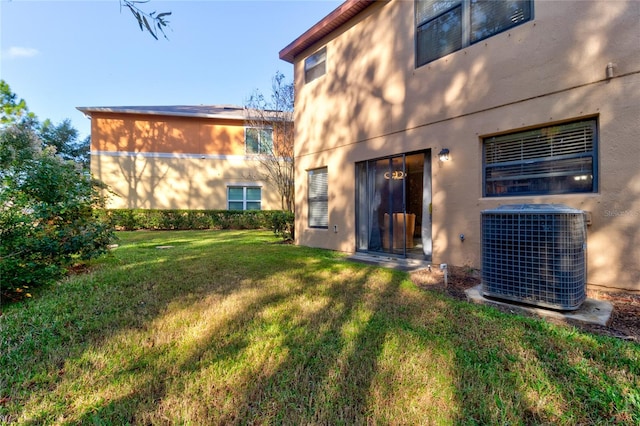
point(592, 311)
point(402, 264)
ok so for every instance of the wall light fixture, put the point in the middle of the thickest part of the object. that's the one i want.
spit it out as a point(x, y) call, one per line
point(444, 154)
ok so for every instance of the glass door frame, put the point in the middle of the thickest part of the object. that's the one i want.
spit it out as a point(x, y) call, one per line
point(375, 230)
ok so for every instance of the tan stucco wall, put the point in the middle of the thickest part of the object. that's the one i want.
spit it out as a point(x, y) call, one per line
point(156, 162)
point(178, 183)
point(373, 102)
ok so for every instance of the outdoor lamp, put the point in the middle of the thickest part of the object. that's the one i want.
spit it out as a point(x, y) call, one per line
point(444, 154)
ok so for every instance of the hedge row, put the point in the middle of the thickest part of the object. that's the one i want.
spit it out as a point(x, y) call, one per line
point(135, 219)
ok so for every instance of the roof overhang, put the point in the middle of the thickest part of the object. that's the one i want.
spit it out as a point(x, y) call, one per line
point(328, 24)
point(220, 112)
point(202, 111)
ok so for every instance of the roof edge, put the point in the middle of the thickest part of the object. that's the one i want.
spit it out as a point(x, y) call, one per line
point(220, 112)
point(169, 113)
point(339, 16)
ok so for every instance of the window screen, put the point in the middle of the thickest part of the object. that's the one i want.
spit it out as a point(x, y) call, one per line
point(318, 199)
point(551, 160)
point(440, 36)
point(491, 17)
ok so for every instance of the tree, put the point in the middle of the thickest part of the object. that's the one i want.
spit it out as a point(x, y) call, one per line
point(14, 110)
point(153, 23)
point(64, 138)
point(18, 140)
point(275, 155)
point(18, 143)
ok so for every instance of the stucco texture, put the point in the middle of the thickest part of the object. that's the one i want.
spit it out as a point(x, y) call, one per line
point(373, 102)
point(156, 162)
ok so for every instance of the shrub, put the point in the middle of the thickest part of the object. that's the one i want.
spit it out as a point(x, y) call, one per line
point(282, 224)
point(137, 219)
point(47, 220)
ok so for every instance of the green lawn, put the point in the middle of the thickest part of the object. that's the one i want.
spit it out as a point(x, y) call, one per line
point(231, 327)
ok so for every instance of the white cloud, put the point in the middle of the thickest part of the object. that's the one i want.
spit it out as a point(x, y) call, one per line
point(21, 52)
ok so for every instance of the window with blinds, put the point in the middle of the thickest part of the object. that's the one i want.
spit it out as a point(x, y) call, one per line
point(444, 26)
point(318, 198)
point(551, 160)
point(315, 65)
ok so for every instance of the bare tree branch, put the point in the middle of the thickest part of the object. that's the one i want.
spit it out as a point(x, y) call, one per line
point(276, 158)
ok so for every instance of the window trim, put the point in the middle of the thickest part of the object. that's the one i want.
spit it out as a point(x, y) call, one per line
point(466, 7)
point(532, 161)
point(310, 71)
point(313, 200)
point(245, 200)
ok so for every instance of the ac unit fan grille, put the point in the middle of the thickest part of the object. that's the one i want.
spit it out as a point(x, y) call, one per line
point(535, 257)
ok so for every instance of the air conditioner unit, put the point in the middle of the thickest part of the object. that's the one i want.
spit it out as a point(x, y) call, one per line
point(535, 254)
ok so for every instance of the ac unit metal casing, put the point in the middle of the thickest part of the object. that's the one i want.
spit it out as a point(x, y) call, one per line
point(535, 254)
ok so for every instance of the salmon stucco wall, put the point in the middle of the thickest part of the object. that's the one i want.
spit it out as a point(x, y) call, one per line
point(373, 102)
point(156, 162)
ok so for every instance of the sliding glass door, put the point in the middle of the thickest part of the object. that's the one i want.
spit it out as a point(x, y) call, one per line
point(393, 205)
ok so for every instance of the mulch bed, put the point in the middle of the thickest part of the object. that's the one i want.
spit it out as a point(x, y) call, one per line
point(623, 324)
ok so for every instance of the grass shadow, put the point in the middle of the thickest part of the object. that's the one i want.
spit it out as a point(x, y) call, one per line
point(228, 328)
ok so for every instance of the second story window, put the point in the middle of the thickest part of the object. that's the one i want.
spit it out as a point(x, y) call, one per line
point(315, 66)
point(258, 140)
point(444, 26)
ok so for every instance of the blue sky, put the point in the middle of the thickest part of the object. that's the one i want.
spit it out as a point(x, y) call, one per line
point(58, 55)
